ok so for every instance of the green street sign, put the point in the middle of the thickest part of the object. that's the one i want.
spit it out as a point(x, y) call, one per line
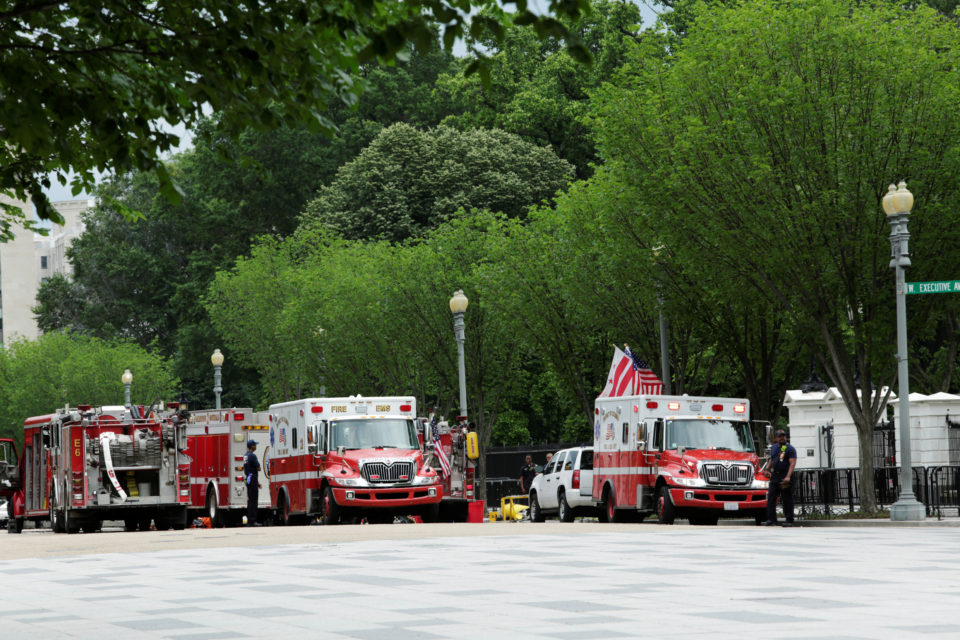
point(945, 286)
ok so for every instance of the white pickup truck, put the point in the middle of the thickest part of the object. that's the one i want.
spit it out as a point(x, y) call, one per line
point(565, 487)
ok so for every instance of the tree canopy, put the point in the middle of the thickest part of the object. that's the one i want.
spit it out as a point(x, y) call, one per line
point(408, 181)
point(87, 86)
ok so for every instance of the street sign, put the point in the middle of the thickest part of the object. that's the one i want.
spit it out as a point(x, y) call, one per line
point(945, 286)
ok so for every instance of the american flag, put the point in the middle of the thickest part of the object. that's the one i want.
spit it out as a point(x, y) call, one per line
point(438, 446)
point(630, 375)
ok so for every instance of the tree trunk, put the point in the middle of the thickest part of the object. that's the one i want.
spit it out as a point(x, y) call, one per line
point(868, 489)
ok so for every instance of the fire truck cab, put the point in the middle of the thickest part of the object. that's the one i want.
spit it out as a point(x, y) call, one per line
point(344, 458)
point(676, 456)
point(217, 442)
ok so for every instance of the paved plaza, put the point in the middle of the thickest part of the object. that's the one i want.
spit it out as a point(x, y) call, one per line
point(639, 582)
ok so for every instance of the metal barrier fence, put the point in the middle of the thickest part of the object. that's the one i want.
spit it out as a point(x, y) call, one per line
point(832, 490)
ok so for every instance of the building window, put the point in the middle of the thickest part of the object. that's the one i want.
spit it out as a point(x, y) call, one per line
point(43, 262)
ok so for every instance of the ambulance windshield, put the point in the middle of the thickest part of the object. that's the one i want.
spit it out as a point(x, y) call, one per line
point(388, 433)
point(709, 434)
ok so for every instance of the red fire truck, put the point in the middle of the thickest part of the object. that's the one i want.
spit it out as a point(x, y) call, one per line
point(676, 456)
point(217, 442)
point(340, 458)
point(459, 447)
point(86, 464)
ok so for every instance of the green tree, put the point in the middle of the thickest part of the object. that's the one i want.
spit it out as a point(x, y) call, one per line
point(38, 376)
point(94, 80)
point(537, 90)
point(409, 181)
point(765, 146)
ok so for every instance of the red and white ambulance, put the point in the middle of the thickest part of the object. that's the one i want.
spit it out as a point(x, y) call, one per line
point(217, 441)
point(342, 458)
point(676, 456)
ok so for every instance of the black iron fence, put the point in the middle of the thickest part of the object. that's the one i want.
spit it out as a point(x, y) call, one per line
point(836, 490)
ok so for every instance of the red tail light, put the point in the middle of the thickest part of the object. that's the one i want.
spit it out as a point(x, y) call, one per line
point(316, 409)
point(576, 479)
point(717, 407)
point(405, 407)
point(238, 416)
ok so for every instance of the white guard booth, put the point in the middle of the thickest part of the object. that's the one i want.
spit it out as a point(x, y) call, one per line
point(816, 416)
point(822, 429)
point(934, 429)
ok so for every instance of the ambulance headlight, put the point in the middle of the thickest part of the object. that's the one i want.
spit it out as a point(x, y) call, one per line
point(350, 482)
point(689, 482)
point(760, 484)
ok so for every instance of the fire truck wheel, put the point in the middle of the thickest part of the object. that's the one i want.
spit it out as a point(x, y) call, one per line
point(331, 512)
point(70, 525)
point(129, 524)
point(15, 525)
point(92, 526)
point(536, 513)
point(213, 511)
point(666, 512)
point(143, 523)
point(431, 513)
point(566, 513)
point(163, 524)
point(56, 519)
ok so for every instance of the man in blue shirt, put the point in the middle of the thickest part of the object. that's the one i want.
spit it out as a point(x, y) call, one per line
point(251, 477)
point(781, 462)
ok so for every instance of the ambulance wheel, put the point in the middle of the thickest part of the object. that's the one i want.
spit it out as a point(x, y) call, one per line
point(283, 510)
point(15, 525)
point(536, 513)
point(130, 524)
point(666, 512)
point(610, 506)
point(566, 513)
point(331, 511)
point(213, 510)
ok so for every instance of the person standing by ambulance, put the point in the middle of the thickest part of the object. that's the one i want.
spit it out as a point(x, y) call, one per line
point(782, 460)
point(251, 477)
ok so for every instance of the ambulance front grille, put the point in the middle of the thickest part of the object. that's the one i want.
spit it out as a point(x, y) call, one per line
point(735, 474)
point(388, 472)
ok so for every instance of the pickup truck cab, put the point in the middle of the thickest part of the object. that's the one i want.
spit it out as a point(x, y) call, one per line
point(565, 487)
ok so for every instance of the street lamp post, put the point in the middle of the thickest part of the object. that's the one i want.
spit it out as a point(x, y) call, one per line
point(217, 360)
point(458, 304)
point(127, 379)
point(897, 204)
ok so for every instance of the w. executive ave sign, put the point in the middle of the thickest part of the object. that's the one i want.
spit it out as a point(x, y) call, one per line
point(944, 286)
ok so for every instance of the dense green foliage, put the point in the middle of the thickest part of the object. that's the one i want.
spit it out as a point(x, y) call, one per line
point(407, 181)
point(59, 369)
point(87, 85)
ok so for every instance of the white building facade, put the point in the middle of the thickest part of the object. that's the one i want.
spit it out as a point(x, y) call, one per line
point(27, 260)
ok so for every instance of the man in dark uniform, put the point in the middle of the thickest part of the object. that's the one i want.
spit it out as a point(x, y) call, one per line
point(782, 460)
point(527, 473)
point(251, 477)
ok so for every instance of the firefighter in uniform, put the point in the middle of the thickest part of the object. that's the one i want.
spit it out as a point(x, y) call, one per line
point(783, 459)
point(251, 476)
point(527, 473)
